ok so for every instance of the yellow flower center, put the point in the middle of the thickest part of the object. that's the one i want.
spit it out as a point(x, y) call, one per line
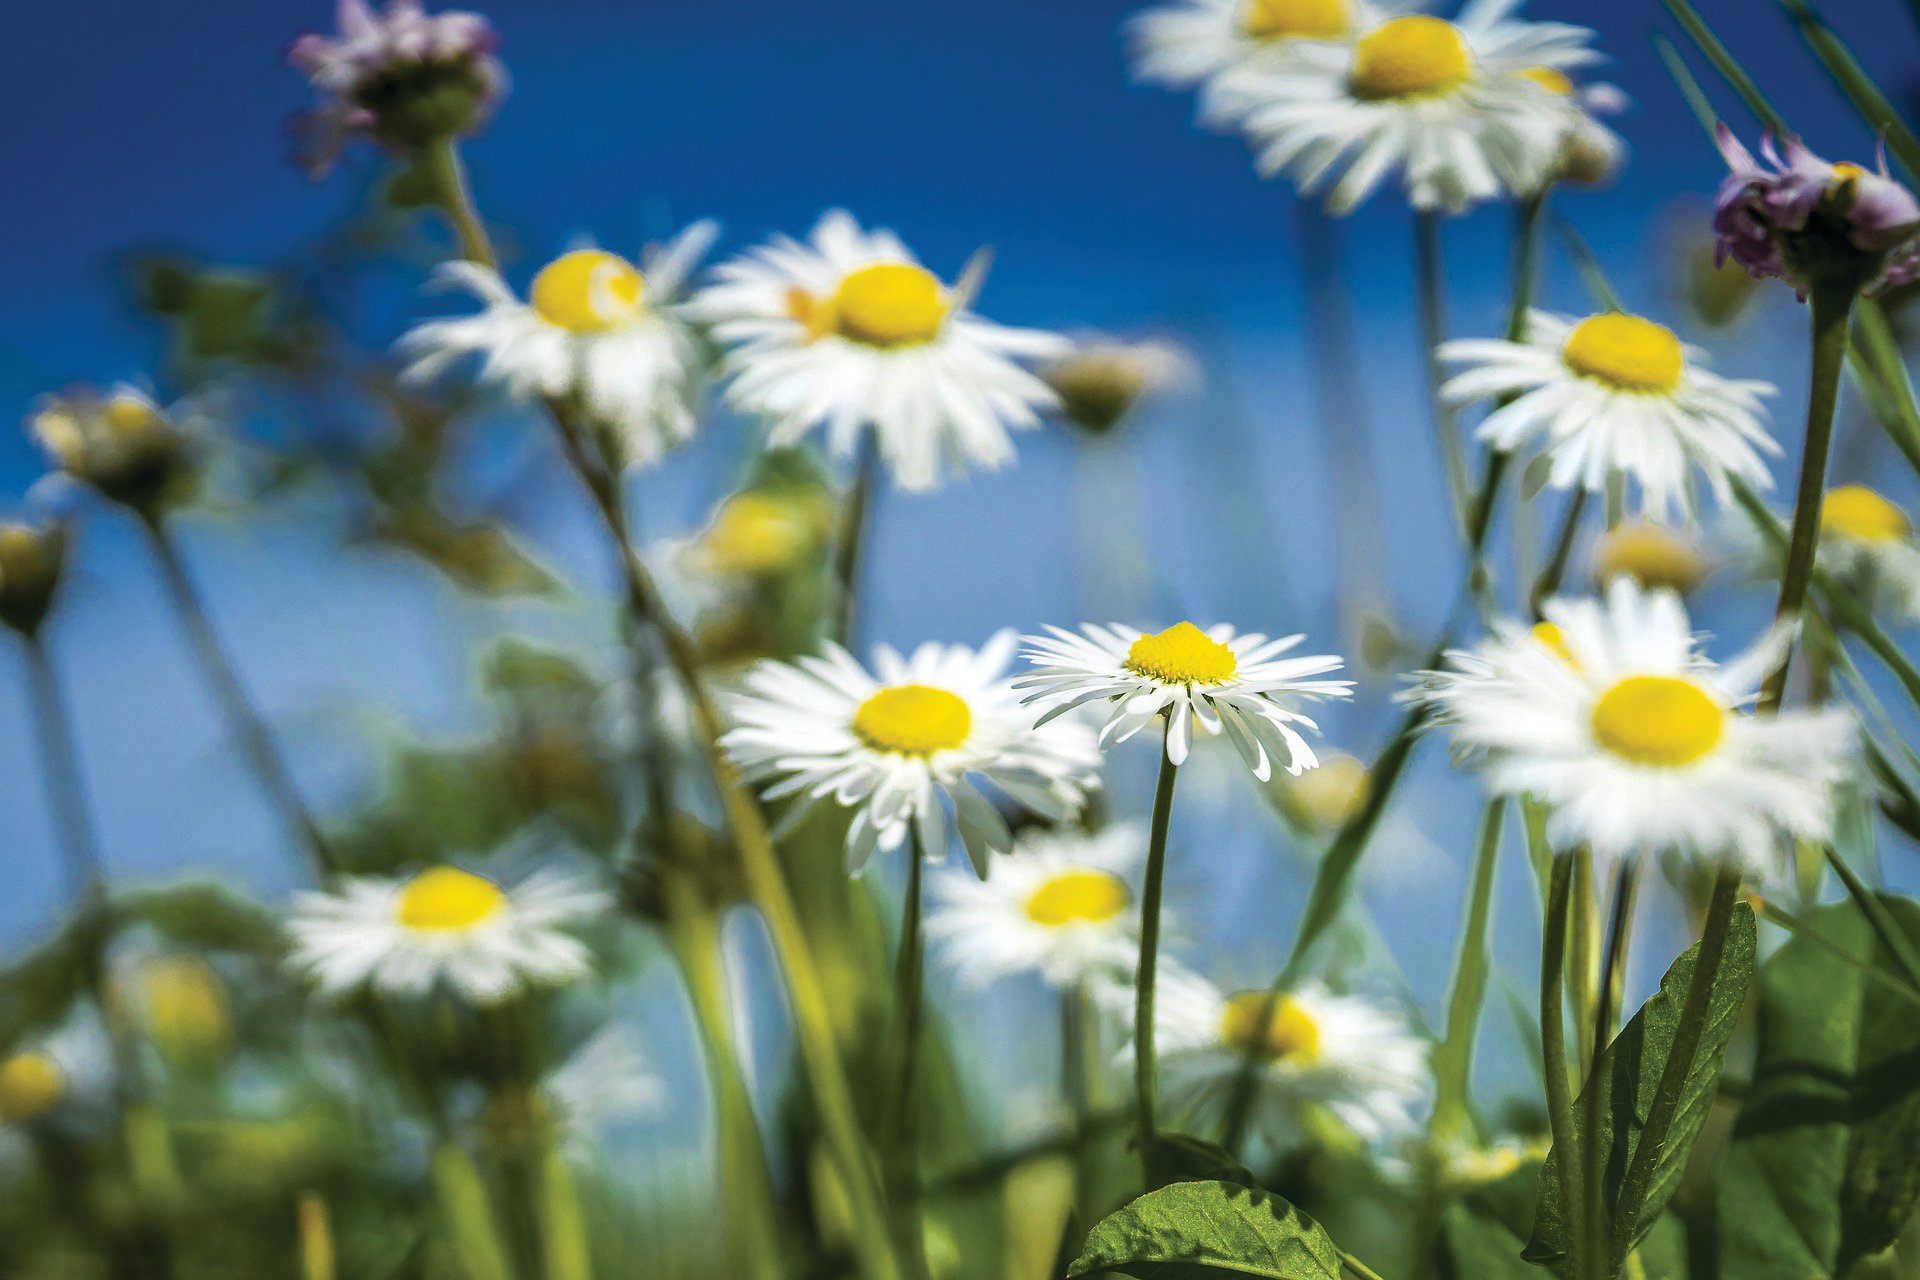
point(1324, 798)
point(448, 898)
point(587, 291)
point(1844, 172)
point(1855, 511)
point(1182, 654)
point(913, 720)
point(30, 1085)
point(753, 535)
point(1650, 554)
point(1550, 80)
point(1658, 720)
point(886, 304)
point(186, 1008)
point(1550, 635)
point(1076, 897)
point(1282, 1030)
point(1413, 57)
point(1628, 353)
point(1296, 19)
point(127, 416)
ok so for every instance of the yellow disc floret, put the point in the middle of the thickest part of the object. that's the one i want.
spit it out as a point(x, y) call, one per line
point(1628, 353)
point(1653, 555)
point(1079, 896)
point(1296, 19)
point(30, 1085)
point(887, 304)
point(1182, 654)
point(588, 291)
point(755, 535)
point(1412, 57)
point(1665, 721)
point(448, 898)
point(1281, 1030)
point(1552, 81)
point(913, 720)
point(1855, 511)
point(1550, 635)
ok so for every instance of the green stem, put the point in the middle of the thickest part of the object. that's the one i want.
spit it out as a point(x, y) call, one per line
point(1430, 283)
point(1612, 978)
point(1875, 911)
point(1076, 1057)
point(1145, 1088)
point(910, 1001)
point(1359, 1268)
point(439, 163)
point(1453, 1058)
point(1567, 1143)
point(1555, 570)
point(851, 539)
point(244, 720)
point(563, 1224)
point(1832, 305)
point(471, 1231)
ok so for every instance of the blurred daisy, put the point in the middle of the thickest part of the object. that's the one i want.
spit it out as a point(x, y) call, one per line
point(594, 329)
point(1101, 381)
point(605, 1082)
point(898, 744)
point(1867, 543)
point(848, 332)
point(1060, 905)
point(65, 1071)
point(1455, 107)
point(759, 534)
point(1590, 152)
point(1654, 555)
point(120, 441)
point(1353, 1059)
point(1615, 393)
point(1608, 713)
point(443, 926)
point(1239, 685)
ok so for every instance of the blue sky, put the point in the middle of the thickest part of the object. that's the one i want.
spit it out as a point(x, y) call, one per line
point(1000, 122)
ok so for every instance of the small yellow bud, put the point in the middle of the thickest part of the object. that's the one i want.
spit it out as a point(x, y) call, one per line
point(1653, 555)
point(31, 1084)
point(1100, 383)
point(32, 558)
point(1322, 799)
point(183, 1004)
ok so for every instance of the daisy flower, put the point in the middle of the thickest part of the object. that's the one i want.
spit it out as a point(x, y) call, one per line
point(594, 329)
point(1590, 152)
point(1455, 107)
point(1609, 714)
point(120, 441)
point(605, 1082)
point(848, 332)
point(1236, 684)
point(1654, 555)
point(1615, 393)
point(896, 746)
point(1867, 543)
point(443, 926)
point(1060, 905)
point(1346, 1056)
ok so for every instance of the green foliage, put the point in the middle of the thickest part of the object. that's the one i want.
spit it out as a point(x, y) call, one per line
point(1629, 1078)
point(1820, 1172)
point(1193, 1230)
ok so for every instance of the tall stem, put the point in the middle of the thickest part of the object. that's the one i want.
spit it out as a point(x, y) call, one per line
point(1553, 1045)
point(1832, 307)
point(244, 720)
point(1612, 976)
point(78, 851)
point(851, 538)
point(1076, 1027)
point(439, 163)
point(1144, 1066)
point(908, 967)
point(1430, 282)
point(765, 881)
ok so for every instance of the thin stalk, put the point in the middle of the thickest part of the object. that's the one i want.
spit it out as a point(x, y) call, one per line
point(1453, 1058)
point(1686, 1042)
point(1583, 941)
point(317, 1255)
point(1430, 283)
point(244, 720)
point(1832, 304)
point(1875, 911)
point(766, 882)
point(563, 1224)
point(440, 164)
point(1359, 1268)
point(851, 539)
point(909, 1005)
point(471, 1231)
point(1144, 1085)
point(1613, 975)
point(1555, 570)
point(1076, 1086)
point(1793, 924)
point(1567, 1143)
point(79, 852)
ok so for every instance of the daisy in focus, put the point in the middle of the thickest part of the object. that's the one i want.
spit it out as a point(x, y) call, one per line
point(1060, 905)
point(1609, 714)
point(1615, 393)
point(1345, 1056)
point(444, 926)
point(1456, 109)
point(1224, 683)
point(849, 333)
point(899, 744)
point(594, 329)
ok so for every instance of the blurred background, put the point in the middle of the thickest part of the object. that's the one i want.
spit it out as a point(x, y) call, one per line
point(152, 138)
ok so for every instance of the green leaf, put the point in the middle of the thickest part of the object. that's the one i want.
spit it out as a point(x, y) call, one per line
point(1820, 1170)
point(1485, 1230)
point(1199, 1230)
point(204, 916)
point(1629, 1073)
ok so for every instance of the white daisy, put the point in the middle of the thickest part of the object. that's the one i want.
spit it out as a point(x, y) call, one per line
point(1213, 678)
point(605, 1082)
point(1059, 905)
point(1609, 714)
point(1189, 43)
point(444, 925)
point(849, 332)
point(897, 745)
point(1867, 543)
point(1444, 103)
point(62, 1074)
point(1616, 393)
point(594, 328)
point(1344, 1055)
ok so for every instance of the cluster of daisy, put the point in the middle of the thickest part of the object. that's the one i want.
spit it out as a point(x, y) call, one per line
point(1344, 94)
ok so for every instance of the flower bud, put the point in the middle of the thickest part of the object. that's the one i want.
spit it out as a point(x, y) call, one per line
point(183, 1006)
point(1653, 555)
point(121, 443)
point(33, 558)
point(1100, 383)
point(1322, 799)
point(760, 534)
point(31, 1084)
